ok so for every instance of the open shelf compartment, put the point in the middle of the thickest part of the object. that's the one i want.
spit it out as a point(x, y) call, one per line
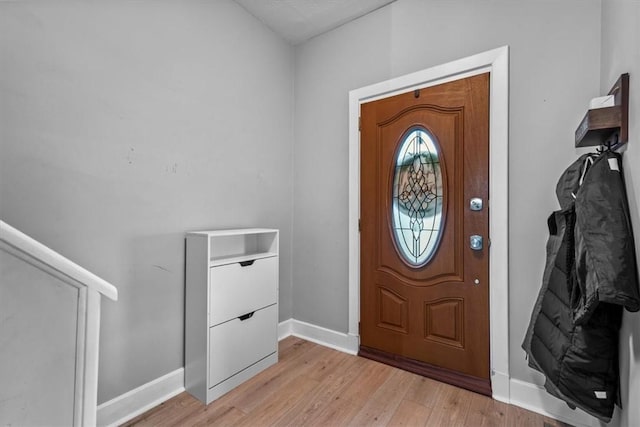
point(233, 246)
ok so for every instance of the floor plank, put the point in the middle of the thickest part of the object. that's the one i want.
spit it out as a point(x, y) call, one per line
point(485, 412)
point(425, 391)
point(381, 405)
point(272, 408)
point(451, 407)
point(411, 414)
point(218, 416)
point(312, 385)
point(346, 404)
point(306, 411)
point(522, 417)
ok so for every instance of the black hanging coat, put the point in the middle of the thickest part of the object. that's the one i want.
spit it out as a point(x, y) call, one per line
point(590, 274)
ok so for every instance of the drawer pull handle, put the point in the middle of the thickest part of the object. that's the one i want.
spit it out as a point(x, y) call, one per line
point(246, 316)
point(247, 263)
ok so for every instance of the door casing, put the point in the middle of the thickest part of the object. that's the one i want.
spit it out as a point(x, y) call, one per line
point(496, 62)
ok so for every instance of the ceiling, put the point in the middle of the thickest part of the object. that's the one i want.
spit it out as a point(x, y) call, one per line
point(299, 20)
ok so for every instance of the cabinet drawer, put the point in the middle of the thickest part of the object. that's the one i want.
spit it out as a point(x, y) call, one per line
point(238, 344)
point(237, 290)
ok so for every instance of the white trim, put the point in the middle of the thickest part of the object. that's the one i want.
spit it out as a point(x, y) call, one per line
point(497, 63)
point(87, 330)
point(525, 395)
point(500, 382)
point(90, 359)
point(285, 329)
point(84, 412)
point(135, 402)
point(346, 343)
point(37, 250)
point(139, 400)
point(535, 398)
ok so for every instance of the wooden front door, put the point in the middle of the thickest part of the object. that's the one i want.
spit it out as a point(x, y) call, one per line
point(424, 302)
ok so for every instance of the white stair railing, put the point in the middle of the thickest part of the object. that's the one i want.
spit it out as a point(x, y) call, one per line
point(49, 334)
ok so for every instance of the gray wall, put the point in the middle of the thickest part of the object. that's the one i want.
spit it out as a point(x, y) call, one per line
point(38, 333)
point(554, 71)
point(126, 123)
point(621, 54)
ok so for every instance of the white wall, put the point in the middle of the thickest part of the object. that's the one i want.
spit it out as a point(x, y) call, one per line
point(126, 123)
point(554, 71)
point(621, 54)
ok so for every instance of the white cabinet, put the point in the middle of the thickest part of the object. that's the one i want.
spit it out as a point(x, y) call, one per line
point(231, 320)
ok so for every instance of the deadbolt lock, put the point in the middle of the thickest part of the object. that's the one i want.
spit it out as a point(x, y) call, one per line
point(475, 242)
point(475, 204)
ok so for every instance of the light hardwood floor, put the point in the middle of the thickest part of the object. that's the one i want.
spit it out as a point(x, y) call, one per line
point(313, 385)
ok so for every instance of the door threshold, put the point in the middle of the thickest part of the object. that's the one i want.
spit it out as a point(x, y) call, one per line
point(468, 382)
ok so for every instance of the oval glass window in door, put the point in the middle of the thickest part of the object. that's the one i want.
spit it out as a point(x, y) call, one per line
point(417, 197)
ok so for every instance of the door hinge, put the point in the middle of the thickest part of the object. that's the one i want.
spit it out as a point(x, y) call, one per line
point(359, 329)
point(359, 225)
point(359, 123)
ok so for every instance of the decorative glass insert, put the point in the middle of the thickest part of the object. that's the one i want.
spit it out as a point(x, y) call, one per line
point(417, 197)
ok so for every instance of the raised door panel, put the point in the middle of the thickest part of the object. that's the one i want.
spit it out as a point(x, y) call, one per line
point(392, 310)
point(444, 321)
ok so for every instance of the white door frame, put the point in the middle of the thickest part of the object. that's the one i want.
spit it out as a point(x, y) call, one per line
point(496, 62)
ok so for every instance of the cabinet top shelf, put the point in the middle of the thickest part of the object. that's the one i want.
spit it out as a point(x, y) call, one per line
point(234, 232)
point(232, 259)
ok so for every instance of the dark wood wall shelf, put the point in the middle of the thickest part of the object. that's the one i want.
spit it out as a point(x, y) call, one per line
point(607, 126)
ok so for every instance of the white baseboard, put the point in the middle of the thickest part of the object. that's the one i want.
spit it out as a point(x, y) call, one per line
point(520, 393)
point(535, 398)
point(340, 341)
point(139, 400)
point(500, 386)
point(284, 329)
